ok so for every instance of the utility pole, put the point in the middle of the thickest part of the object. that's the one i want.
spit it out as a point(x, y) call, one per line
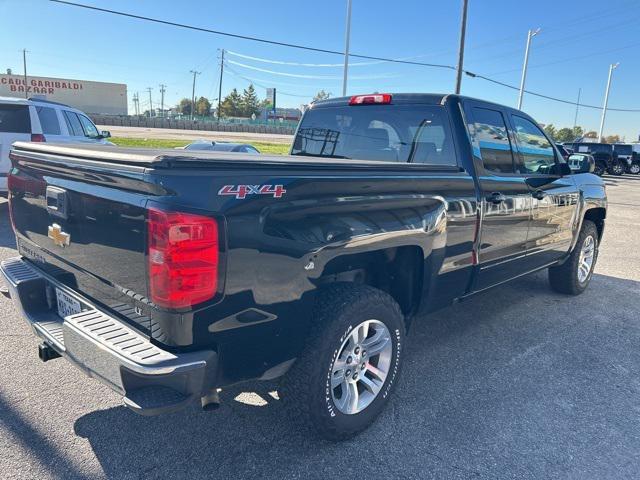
point(162, 90)
point(575, 120)
point(193, 93)
point(137, 103)
point(24, 63)
point(530, 35)
point(150, 102)
point(612, 67)
point(463, 33)
point(347, 36)
point(220, 85)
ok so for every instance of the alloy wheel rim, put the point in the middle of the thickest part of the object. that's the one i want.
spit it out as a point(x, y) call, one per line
point(361, 367)
point(587, 255)
point(635, 168)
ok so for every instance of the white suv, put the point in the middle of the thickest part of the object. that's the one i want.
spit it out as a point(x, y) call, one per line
point(41, 121)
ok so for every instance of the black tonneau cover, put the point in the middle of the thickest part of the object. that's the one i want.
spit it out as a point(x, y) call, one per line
point(166, 158)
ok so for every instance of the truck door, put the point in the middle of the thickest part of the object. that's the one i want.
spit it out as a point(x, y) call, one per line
point(555, 198)
point(506, 197)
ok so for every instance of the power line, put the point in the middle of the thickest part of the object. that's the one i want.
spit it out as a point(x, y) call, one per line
point(321, 50)
point(299, 64)
point(247, 37)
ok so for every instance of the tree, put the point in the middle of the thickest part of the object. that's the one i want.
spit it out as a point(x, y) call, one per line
point(184, 107)
point(203, 107)
point(551, 131)
point(231, 105)
point(612, 139)
point(591, 134)
point(250, 104)
point(321, 95)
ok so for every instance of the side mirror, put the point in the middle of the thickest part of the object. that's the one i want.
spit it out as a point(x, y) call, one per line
point(561, 169)
point(588, 165)
point(105, 134)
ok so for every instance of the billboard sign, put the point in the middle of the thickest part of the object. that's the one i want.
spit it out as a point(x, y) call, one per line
point(90, 97)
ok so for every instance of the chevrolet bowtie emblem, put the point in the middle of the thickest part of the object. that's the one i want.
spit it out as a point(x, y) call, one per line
point(59, 237)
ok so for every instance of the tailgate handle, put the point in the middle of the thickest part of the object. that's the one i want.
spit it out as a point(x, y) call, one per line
point(57, 203)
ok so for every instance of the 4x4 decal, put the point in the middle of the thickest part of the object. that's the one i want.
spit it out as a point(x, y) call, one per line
point(241, 191)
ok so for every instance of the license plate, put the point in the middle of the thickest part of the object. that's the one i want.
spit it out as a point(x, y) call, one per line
point(66, 304)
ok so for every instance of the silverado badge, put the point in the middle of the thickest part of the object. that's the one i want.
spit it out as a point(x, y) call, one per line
point(59, 237)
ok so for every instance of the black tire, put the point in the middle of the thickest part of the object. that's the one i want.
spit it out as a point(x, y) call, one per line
point(600, 168)
point(617, 168)
point(306, 389)
point(564, 278)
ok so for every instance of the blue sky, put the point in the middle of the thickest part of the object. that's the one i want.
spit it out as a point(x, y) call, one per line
point(578, 41)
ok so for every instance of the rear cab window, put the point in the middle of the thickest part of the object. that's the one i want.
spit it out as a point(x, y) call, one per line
point(404, 133)
point(48, 120)
point(14, 119)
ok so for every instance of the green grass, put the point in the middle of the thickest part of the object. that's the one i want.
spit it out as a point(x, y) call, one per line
point(264, 147)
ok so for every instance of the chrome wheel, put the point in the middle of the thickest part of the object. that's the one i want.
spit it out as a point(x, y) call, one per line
point(634, 168)
point(587, 255)
point(361, 367)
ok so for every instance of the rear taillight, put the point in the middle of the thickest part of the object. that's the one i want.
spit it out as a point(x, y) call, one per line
point(380, 98)
point(183, 258)
point(38, 137)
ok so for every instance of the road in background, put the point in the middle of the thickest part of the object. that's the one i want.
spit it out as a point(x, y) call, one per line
point(177, 134)
point(518, 383)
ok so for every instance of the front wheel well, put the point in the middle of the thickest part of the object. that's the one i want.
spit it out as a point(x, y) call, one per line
point(397, 271)
point(597, 216)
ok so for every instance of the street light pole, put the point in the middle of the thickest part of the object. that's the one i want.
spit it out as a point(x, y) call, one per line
point(346, 48)
point(24, 64)
point(463, 31)
point(193, 93)
point(530, 35)
point(612, 67)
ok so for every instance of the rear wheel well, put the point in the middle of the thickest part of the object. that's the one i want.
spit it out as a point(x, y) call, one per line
point(397, 271)
point(597, 216)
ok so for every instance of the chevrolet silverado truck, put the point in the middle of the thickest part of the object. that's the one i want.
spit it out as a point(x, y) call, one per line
point(170, 274)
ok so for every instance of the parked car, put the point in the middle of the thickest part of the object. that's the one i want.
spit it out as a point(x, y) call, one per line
point(606, 158)
point(169, 275)
point(39, 121)
point(211, 146)
point(628, 156)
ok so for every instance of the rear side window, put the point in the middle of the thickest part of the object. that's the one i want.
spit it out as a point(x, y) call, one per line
point(392, 133)
point(491, 134)
point(73, 124)
point(536, 151)
point(48, 120)
point(15, 119)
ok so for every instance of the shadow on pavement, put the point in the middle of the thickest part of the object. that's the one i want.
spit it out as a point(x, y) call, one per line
point(518, 382)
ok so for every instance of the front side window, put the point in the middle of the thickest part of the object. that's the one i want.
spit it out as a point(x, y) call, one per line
point(392, 133)
point(536, 151)
point(89, 128)
point(73, 124)
point(491, 134)
point(48, 120)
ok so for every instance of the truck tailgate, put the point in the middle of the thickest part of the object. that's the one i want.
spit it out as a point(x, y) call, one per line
point(85, 226)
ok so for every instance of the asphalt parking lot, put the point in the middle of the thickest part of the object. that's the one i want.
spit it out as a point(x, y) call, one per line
point(516, 383)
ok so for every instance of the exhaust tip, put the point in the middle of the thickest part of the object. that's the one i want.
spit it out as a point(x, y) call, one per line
point(46, 352)
point(211, 401)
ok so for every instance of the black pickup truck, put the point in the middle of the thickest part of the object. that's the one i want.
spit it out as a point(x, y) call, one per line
point(169, 274)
